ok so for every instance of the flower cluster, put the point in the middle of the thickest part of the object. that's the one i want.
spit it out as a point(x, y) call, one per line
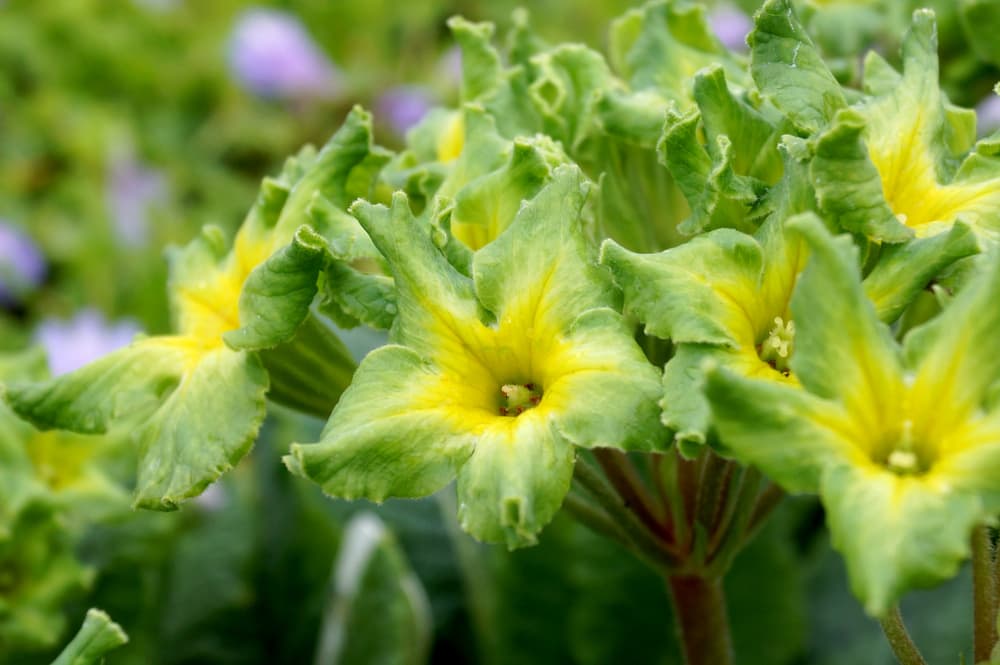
point(673, 249)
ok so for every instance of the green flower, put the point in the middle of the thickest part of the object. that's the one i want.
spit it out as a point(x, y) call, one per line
point(726, 295)
point(493, 378)
point(195, 398)
point(899, 161)
point(902, 445)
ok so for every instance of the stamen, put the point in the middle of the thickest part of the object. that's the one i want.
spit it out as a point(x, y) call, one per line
point(903, 461)
point(519, 397)
point(776, 350)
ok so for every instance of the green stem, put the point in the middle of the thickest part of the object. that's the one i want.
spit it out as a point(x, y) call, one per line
point(596, 519)
point(768, 500)
point(626, 520)
point(688, 473)
point(310, 372)
point(700, 611)
point(629, 486)
point(715, 475)
point(905, 650)
point(984, 595)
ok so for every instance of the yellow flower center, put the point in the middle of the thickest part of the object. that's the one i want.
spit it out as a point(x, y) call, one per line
point(209, 308)
point(776, 349)
point(910, 185)
point(518, 398)
point(452, 139)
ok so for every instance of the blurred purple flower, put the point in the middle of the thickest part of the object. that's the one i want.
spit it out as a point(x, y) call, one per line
point(449, 67)
point(71, 344)
point(22, 264)
point(988, 114)
point(132, 190)
point(272, 54)
point(731, 26)
point(403, 107)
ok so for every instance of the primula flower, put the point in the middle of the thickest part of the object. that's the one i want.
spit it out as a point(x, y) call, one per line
point(725, 296)
point(902, 445)
point(195, 399)
point(494, 377)
point(898, 163)
point(57, 469)
point(272, 54)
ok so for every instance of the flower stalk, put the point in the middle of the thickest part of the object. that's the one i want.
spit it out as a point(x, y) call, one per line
point(702, 625)
point(984, 594)
point(903, 648)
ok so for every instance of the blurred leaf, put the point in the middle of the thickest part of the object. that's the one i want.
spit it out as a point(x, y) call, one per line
point(97, 636)
point(378, 613)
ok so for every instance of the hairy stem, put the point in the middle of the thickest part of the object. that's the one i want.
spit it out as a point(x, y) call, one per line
point(984, 595)
point(637, 533)
point(594, 518)
point(700, 610)
point(905, 650)
point(768, 500)
point(626, 481)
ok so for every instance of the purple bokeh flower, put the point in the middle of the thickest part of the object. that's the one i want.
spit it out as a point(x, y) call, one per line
point(71, 344)
point(988, 115)
point(731, 26)
point(22, 264)
point(272, 54)
point(449, 67)
point(403, 107)
point(132, 190)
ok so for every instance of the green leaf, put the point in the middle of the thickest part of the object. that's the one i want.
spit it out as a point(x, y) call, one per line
point(378, 612)
point(97, 636)
point(789, 70)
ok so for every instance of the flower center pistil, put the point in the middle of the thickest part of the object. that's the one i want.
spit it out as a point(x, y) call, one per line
point(776, 349)
point(904, 458)
point(516, 398)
